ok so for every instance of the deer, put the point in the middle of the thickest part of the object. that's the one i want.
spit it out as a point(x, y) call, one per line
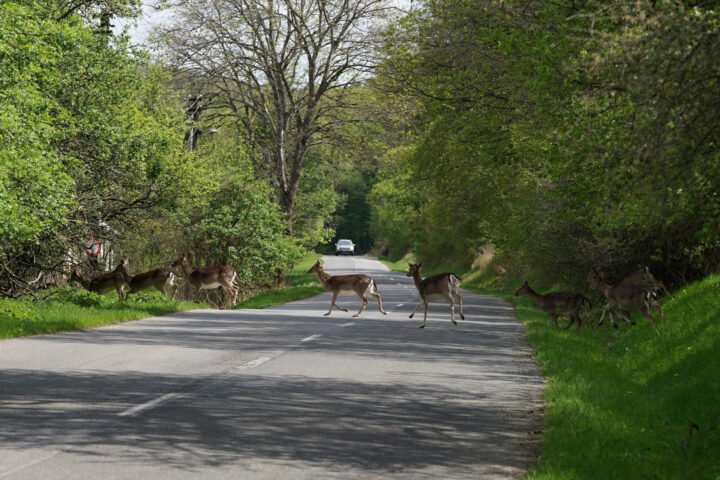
point(208, 278)
point(102, 283)
point(556, 303)
point(158, 278)
point(620, 297)
point(359, 284)
point(641, 276)
point(440, 286)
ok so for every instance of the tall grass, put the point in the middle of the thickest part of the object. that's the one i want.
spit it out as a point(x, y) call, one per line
point(632, 403)
point(71, 309)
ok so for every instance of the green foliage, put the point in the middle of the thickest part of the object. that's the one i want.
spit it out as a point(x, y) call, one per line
point(316, 200)
point(298, 285)
point(228, 217)
point(567, 134)
point(90, 140)
point(35, 189)
point(395, 204)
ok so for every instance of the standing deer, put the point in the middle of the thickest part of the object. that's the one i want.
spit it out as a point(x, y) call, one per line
point(158, 278)
point(625, 297)
point(210, 277)
point(438, 287)
point(358, 284)
point(102, 283)
point(556, 303)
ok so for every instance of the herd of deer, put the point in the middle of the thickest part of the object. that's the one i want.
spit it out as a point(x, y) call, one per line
point(121, 280)
point(637, 290)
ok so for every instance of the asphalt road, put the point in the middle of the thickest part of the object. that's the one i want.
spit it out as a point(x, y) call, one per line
point(280, 393)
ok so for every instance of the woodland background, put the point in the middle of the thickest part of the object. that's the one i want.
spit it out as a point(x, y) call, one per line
point(512, 135)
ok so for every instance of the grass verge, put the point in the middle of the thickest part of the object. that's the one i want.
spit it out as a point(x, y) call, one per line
point(300, 286)
point(71, 309)
point(631, 403)
point(396, 264)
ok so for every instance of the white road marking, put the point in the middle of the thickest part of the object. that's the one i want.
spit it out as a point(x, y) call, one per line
point(347, 324)
point(401, 305)
point(137, 410)
point(256, 363)
point(30, 464)
point(310, 338)
point(131, 412)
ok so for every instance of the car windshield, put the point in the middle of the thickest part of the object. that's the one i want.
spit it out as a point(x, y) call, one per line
point(344, 243)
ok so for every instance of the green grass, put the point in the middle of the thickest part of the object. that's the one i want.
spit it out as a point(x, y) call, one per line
point(71, 309)
point(300, 286)
point(395, 264)
point(620, 404)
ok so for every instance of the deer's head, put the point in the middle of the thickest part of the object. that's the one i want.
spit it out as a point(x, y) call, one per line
point(414, 268)
point(317, 268)
point(180, 261)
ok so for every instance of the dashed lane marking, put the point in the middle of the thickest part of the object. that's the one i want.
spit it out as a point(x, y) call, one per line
point(310, 338)
point(131, 412)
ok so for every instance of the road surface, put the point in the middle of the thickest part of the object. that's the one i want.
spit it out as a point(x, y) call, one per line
point(278, 393)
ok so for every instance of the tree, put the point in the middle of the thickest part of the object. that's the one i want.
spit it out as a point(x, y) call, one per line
point(88, 139)
point(277, 69)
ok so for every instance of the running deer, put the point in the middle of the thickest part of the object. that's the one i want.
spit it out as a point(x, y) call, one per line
point(438, 287)
point(358, 284)
point(210, 277)
point(557, 303)
point(625, 297)
point(158, 278)
point(102, 283)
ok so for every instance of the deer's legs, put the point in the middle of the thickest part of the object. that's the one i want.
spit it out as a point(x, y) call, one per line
point(458, 297)
point(364, 304)
point(228, 297)
point(574, 317)
point(452, 309)
point(425, 302)
point(647, 315)
point(332, 304)
point(621, 315)
point(607, 310)
point(234, 290)
point(416, 307)
point(657, 307)
point(377, 297)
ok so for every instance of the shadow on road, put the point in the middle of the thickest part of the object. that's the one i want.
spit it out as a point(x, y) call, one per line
point(336, 423)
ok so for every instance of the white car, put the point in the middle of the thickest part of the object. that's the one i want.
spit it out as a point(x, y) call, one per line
point(344, 247)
